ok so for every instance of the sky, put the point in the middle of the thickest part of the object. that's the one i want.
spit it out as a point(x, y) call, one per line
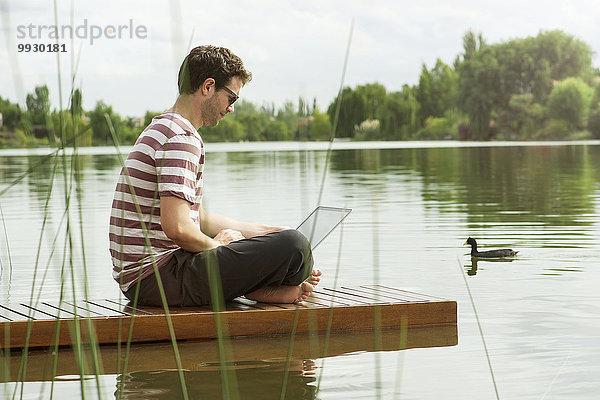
point(293, 48)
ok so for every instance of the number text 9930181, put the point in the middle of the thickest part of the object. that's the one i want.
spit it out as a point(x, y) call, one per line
point(41, 48)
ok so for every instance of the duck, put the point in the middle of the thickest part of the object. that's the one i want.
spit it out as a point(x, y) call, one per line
point(489, 253)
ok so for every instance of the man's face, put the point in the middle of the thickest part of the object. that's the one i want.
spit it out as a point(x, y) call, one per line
point(219, 105)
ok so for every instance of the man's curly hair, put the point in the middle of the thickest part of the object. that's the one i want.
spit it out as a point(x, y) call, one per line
point(214, 62)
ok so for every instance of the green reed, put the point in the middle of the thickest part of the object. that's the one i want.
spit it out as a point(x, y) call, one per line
point(10, 271)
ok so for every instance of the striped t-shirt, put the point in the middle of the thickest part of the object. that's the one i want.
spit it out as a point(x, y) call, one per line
point(167, 159)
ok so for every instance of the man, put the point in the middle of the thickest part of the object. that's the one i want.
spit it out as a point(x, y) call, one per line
point(157, 222)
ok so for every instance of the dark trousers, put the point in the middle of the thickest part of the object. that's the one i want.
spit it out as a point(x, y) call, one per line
point(227, 272)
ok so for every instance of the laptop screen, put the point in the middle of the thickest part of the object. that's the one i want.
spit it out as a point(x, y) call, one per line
point(319, 224)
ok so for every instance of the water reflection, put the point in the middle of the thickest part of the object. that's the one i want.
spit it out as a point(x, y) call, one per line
point(249, 380)
point(472, 268)
point(40, 175)
point(494, 185)
point(245, 368)
point(106, 162)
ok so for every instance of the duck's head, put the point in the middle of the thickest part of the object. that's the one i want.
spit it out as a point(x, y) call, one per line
point(470, 241)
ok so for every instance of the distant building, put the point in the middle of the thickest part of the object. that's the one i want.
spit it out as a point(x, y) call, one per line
point(139, 121)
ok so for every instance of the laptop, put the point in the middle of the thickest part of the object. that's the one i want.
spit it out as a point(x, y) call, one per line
point(321, 222)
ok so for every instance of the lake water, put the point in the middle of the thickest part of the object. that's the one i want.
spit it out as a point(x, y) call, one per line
point(414, 206)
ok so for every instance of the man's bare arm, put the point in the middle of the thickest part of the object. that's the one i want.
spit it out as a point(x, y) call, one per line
point(211, 224)
point(181, 229)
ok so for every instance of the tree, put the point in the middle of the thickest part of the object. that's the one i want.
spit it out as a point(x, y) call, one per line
point(75, 107)
point(11, 114)
point(228, 130)
point(289, 117)
point(398, 115)
point(38, 105)
point(100, 131)
point(373, 95)
point(436, 92)
point(253, 125)
point(530, 65)
point(320, 127)
point(594, 123)
point(357, 105)
point(522, 118)
point(253, 120)
point(477, 85)
point(148, 117)
point(490, 76)
point(352, 112)
point(566, 55)
point(570, 102)
point(70, 130)
point(276, 130)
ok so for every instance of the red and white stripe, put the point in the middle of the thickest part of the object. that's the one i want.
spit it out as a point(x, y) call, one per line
point(167, 159)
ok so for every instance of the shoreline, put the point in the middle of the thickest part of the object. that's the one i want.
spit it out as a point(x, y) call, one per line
point(232, 147)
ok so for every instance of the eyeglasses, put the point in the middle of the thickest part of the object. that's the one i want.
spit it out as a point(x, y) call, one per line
point(231, 92)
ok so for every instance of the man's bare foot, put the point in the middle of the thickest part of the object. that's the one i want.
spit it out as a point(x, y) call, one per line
point(287, 294)
point(282, 294)
point(314, 279)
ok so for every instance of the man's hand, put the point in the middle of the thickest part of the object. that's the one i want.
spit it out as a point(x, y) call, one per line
point(227, 236)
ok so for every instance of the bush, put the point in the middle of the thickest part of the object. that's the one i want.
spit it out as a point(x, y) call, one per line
point(570, 101)
point(228, 130)
point(554, 129)
point(435, 128)
point(367, 130)
point(275, 130)
point(594, 123)
point(320, 126)
point(19, 139)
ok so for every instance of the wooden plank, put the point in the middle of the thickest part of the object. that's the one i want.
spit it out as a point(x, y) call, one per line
point(146, 310)
point(312, 303)
point(240, 318)
point(413, 295)
point(21, 313)
point(73, 310)
point(100, 311)
point(332, 300)
point(64, 311)
point(375, 293)
point(357, 297)
point(339, 298)
point(255, 305)
point(9, 315)
point(264, 306)
point(42, 311)
point(120, 308)
point(401, 294)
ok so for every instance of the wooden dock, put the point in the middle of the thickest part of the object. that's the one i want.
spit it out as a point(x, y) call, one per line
point(362, 308)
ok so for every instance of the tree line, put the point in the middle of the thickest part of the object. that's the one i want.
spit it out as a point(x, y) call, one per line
point(37, 125)
point(541, 87)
